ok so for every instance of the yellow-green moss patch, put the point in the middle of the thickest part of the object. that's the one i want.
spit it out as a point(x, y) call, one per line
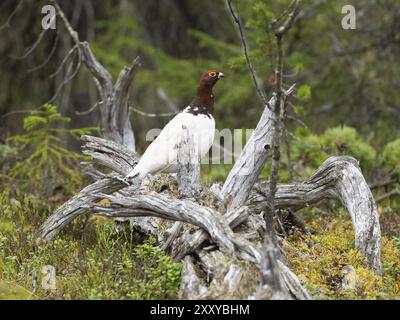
point(323, 260)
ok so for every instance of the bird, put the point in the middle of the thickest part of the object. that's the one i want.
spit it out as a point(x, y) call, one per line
point(161, 155)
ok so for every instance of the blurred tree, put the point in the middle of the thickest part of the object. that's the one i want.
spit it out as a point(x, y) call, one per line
point(353, 74)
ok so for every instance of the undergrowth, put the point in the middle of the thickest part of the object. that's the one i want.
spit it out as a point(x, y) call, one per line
point(93, 259)
point(322, 261)
point(43, 163)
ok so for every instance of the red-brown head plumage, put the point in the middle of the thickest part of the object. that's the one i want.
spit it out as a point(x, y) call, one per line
point(204, 99)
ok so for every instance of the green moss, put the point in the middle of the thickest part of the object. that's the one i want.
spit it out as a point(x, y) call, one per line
point(92, 259)
point(12, 291)
point(319, 260)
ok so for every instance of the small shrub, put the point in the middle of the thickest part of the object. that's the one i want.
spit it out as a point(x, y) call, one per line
point(310, 150)
point(391, 155)
point(45, 164)
point(346, 141)
point(92, 261)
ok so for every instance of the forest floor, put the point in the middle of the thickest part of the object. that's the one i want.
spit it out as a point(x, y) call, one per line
point(96, 259)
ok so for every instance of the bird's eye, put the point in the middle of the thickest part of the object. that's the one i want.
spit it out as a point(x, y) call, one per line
point(212, 74)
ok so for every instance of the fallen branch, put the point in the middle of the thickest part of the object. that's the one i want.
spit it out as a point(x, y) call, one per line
point(157, 205)
point(105, 153)
point(188, 175)
point(337, 178)
point(131, 202)
point(247, 168)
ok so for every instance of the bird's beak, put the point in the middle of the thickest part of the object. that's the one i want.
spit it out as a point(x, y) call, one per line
point(220, 75)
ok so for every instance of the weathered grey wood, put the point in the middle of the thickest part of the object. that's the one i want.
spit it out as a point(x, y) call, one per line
point(247, 168)
point(292, 283)
point(337, 178)
point(109, 154)
point(233, 277)
point(188, 174)
point(114, 110)
point(78, 205)
point(173, 233)
point(189, 242)
point(324, 183)
point(128, 202)
point(89, 170)
point(158, 205)
point(224, 276)
point(270, 269)
point(106, 153)
point(191, 285)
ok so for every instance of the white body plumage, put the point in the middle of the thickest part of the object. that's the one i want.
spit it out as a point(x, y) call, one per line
point(162, 153)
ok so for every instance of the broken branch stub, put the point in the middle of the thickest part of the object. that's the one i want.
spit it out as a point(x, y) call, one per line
point(247, 168)
point(114, 109)
point(188, 175)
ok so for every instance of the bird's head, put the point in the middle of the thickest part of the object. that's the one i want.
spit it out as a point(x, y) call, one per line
point(204, 96)
point(210, 78)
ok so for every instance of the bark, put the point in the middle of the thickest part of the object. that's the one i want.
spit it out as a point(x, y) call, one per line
point(114, 109)
point(192, 287)
point(251, 161)
point(247, 168)
point(190, 242)
point(105, 153)
point(188, 167)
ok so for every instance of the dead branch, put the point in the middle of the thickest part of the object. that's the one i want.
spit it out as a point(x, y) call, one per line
point(271, 276)
point(188, 167)
point(190, 242)
point(114, 109)
point(152, 115)
point(132, 202)
point(105, 153)
point(248, 166)
point(270, 270)
point(192, 287)
point(236, 19)
point(337, 178)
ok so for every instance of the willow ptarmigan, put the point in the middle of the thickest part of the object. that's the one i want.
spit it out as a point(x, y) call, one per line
point(197, 118)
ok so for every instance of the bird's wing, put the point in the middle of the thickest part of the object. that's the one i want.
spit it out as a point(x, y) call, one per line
point(162, 152)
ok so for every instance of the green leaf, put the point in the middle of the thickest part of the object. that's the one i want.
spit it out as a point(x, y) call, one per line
point(304, 92)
